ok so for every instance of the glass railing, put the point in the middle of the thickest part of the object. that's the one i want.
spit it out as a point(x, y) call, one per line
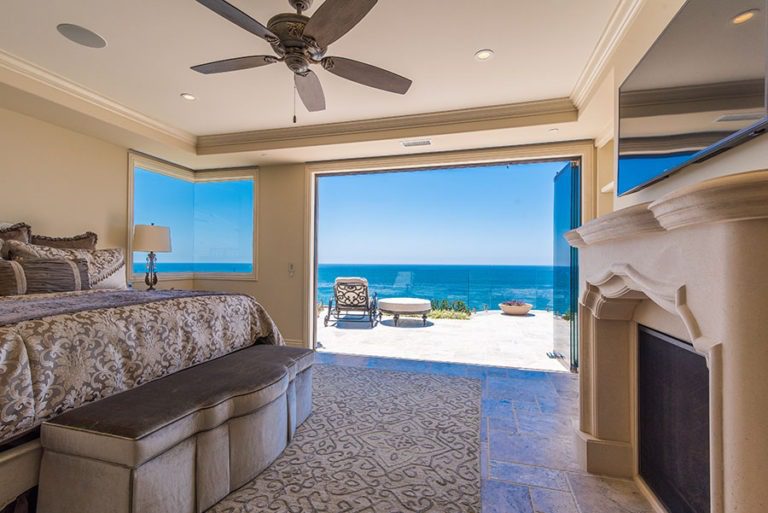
point(479, 287)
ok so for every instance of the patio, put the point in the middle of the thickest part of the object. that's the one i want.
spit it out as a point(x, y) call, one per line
point(488, 338)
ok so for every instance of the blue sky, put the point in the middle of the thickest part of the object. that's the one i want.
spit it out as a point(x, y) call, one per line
point(495, 215)
point(209, 221)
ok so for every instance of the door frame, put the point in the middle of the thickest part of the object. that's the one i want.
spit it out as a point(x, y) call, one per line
point(583, 150)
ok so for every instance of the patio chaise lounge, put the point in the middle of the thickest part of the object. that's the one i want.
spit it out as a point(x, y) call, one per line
point(352, 301)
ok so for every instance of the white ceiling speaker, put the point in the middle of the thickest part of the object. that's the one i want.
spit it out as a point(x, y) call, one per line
point(81, 35)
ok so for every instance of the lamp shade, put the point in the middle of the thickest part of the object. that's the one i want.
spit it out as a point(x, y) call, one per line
point(151, 238)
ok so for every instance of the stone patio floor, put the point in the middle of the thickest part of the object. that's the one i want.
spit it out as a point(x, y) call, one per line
point(528, 454)
point(488, 338)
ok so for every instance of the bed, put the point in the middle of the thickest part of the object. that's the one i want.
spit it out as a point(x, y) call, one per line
point(61, 350)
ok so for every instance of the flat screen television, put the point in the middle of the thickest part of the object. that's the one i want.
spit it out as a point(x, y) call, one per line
point(700, 90)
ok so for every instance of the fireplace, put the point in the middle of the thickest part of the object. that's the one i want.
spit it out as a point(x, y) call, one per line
point(673, 421)
point(691, 265)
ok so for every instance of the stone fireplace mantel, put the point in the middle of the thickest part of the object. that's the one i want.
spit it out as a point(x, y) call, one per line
point(693, 264)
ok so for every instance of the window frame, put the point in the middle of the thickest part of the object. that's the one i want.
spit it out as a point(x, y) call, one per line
point(209, 175)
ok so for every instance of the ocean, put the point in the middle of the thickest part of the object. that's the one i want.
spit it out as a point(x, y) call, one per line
point(479, 286)
point(141, 267)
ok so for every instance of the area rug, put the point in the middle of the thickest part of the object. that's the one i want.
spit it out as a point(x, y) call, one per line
point(376, 442)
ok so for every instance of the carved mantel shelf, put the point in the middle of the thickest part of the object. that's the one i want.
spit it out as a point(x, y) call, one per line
point(736, 197)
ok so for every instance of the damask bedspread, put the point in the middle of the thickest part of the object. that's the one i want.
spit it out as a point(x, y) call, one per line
point(59, 361)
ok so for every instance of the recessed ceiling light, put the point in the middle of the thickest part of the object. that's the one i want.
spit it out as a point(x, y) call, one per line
point(553, 130)
point(484, 54)
point(81, 35)
point(744, 17)
point(188, 96)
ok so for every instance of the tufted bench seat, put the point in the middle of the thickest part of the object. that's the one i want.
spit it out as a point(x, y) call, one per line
point(178, 444)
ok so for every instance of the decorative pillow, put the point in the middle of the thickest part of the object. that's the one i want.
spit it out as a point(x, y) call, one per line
point(13, 282)
point(55, 274)
point(106, 267)
point(85, 240)
point(20, 231)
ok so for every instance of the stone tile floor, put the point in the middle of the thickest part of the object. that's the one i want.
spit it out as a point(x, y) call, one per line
point(527, 452)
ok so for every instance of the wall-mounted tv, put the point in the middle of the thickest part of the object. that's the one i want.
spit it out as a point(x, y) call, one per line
point(700, 90)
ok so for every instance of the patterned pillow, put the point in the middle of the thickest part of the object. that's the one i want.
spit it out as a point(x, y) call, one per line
point(19, 231)
point(106, 267)
point(85, 240)
point(13, 282)
point(55, 274)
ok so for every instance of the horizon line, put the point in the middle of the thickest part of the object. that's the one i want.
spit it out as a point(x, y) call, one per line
point(433, 264)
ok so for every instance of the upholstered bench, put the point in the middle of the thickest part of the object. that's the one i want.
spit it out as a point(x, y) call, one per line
point(299, 363)
point(178, 444)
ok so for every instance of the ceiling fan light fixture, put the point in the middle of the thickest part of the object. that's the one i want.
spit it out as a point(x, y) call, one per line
point(744, 16)
point(484, 54)
point(188, 96)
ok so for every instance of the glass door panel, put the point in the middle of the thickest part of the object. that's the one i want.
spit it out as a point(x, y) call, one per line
point(567, 216)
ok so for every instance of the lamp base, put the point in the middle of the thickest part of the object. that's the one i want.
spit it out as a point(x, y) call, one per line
point(150, 278)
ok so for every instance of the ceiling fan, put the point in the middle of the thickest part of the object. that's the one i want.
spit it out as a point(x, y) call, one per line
point(300, 41)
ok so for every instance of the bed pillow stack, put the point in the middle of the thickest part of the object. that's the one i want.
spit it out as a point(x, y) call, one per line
point(32, 263)
point(106, 267)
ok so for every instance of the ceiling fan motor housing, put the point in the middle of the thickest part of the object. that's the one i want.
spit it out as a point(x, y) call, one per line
point(289, 29)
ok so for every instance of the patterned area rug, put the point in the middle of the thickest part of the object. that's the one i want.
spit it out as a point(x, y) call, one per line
point(376, 442)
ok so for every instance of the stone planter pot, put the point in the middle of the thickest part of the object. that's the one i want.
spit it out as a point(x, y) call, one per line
point(515, 310)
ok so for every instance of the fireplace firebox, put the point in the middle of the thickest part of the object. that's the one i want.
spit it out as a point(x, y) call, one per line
point(673, 422)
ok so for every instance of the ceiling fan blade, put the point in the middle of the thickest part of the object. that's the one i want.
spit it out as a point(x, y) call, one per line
point(238, 63)
point(239, 18)
point(366, 74)
point(335, 18)
point(310, 91)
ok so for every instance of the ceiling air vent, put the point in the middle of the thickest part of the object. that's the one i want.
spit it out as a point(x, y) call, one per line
point(747, 116)
point(413, 144)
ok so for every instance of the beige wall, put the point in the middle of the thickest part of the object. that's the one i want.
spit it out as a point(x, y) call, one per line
point(280, 243)
point(61, 182)
point(606, 170)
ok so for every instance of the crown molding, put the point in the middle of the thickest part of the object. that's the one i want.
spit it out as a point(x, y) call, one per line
point(496, 117)
point(620, 21)
point(20, 68)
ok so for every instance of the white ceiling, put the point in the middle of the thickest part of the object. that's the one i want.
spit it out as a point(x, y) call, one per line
point(541, 47)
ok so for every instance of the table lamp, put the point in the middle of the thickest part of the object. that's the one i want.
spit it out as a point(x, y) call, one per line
point(153, 239)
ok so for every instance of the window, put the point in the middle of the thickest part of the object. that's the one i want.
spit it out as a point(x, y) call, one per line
point(223, 227)
point(211, 219)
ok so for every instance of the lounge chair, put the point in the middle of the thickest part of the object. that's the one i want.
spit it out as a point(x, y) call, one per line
point(351, 299)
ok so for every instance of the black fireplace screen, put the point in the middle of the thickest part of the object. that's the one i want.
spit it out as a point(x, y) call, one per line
point(673, 413)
